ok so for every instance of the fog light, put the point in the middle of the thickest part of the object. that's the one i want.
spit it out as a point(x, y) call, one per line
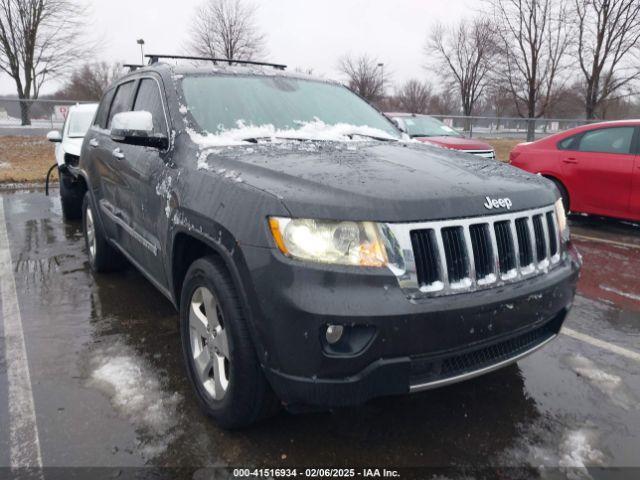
point(334, 334)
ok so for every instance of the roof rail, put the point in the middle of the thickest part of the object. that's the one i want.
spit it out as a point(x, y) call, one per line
point(154, 58)
point(132, 66)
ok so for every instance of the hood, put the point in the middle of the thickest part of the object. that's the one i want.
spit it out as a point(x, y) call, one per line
point(456, 143)
point(72, 146)
point(392, 182)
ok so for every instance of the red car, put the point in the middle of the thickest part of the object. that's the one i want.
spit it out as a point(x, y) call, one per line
point(596, 167)
point(431, 130)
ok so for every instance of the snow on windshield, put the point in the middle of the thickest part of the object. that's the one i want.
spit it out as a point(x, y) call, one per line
point(315, 130)
point(233, 108)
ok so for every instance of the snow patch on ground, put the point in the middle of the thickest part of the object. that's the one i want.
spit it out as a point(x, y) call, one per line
point(136, 393)
point(572, 451)
point(609, 384)
point(577, 450)
point(315, 131)
point(5, 165)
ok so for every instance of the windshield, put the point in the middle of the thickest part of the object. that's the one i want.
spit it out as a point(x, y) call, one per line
point(261, 106)
point(79, 123)
point(427, 127)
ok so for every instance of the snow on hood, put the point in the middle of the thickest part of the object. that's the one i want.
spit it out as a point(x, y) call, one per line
point(315, 130)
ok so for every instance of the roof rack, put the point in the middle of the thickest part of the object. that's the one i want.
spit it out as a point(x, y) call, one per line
point(153, 58)
point(132, 66)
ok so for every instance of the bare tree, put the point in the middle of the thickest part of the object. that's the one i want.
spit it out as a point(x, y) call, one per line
point(534, 37)
point(608, 48)
point(414, 96)
point(39, 39)
point(444, 103)
point(464, 55)
point(90, 81)
point(227, 29)
point(498, 100)
point(364, 76)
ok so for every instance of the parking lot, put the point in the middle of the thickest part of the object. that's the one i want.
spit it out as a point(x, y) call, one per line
point(106, 375)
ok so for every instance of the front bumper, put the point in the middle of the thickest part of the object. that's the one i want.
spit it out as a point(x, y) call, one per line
point(411, 345)
point(491, 154)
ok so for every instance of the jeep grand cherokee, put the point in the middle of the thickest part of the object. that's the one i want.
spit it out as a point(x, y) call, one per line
point(315, 255)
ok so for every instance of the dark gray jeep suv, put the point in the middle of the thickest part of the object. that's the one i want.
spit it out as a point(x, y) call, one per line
point(317, 257)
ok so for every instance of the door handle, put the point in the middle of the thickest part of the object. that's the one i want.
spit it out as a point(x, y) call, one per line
point(117, 153)
point(94, 143)
point(570, 160)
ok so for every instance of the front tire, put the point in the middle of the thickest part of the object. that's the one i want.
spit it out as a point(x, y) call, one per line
point(102, 256)
point(71, 197)
point(218, 351)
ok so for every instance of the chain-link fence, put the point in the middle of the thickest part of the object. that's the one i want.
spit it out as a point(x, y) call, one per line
point(32, 117)
point(36, 117)
point(509, 127)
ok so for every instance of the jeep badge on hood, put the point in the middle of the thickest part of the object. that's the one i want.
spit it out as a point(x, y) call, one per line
point(492, 203)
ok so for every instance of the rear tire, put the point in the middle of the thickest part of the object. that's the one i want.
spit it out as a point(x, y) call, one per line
point(71, 197)
point(221, 362)
point(102, 256)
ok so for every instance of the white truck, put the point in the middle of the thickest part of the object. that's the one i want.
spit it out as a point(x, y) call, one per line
point(68, 144)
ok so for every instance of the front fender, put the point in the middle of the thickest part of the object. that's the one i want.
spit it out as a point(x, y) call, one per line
point(221, 241)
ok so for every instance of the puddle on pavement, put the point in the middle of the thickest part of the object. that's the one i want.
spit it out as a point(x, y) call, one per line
point(567, 405)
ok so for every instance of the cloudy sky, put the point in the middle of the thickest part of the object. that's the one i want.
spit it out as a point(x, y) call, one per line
point(300, 33)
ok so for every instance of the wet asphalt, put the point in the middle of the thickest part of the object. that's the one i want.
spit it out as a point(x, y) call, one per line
point(109, 386)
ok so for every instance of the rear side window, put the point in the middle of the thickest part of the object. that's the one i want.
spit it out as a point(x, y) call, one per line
point(122, 100)
point(103, 110)
point(149, 100)
point(570, 143)
point(608, 140)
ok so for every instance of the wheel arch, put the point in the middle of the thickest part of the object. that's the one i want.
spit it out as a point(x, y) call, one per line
point(189, 245)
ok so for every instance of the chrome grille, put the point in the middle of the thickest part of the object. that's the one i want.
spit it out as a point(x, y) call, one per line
point(424, 244)
point(553, 234)
point(448, 257)
point(482, 251)
point(541, 242)
point(525, 250)
point(455, 254)
point(506, 248)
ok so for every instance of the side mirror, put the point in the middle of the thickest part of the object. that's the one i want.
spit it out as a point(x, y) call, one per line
point(136, 128)
point(54, 136)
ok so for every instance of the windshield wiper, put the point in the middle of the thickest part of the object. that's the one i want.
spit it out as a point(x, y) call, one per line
point(270, 138)
point(373, 137)
point(311, 139)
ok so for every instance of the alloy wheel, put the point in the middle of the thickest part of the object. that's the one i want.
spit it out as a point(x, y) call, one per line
point(91, 234)
point(209, 343)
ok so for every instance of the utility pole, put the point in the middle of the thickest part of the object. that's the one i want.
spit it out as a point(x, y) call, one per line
point(381, 67)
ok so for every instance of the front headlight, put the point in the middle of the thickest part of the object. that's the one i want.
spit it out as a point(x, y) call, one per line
point(342, 243)
point(561, 215)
